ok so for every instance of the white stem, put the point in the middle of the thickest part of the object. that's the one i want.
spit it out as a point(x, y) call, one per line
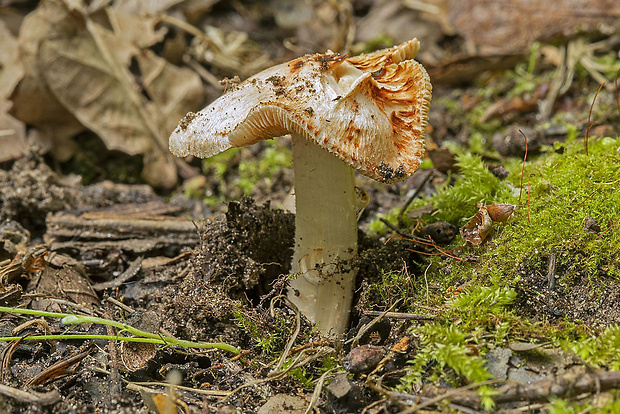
point(325, 236)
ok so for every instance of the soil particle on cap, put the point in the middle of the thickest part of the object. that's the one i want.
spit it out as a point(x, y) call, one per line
point(187, 119)
point(275, 80)
point(389, 174)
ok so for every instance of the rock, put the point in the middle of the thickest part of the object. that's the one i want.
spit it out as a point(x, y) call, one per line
point(344, 395)
point(590, 225)
point(363, 359)
point(283, 403)
point(441, 232)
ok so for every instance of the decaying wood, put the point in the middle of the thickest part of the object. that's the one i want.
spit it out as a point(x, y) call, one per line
point(136, 228)
point(43, 398)
point(561, 386)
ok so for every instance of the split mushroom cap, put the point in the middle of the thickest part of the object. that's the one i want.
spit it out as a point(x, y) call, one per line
point(370, 111)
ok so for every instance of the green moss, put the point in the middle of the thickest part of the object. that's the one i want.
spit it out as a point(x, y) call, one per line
point(564, 190)
point(394, 286)
point(267, 333)
point(601, 351)
point(456, 202)
point(566, 186)
point(234, 173)
point(449, 352)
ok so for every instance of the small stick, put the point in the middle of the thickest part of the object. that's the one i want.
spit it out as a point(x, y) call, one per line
point(416, 192)
point(523, 166)
point(131, 271)
point(119, 304)
point(587, 135)
point(400, 315)
point(46, 398)
point(392, 227)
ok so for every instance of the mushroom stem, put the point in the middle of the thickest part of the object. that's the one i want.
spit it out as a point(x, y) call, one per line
point(325, 237)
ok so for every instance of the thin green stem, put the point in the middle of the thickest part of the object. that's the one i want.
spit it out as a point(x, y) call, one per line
point(143, 336)
point(4, 309)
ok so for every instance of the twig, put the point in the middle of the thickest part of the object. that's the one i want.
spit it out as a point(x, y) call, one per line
point(564, 386)
point(587, 134)
point(416, 192)
point(551, 271)
point(392, 227)
point(452, 395)
point(46, 398)
point(400, 315)
point(131, 271)
point(120, 304)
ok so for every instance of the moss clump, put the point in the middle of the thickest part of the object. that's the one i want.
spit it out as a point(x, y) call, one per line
point(601, 351)
point(566, 189)
point(236, 172)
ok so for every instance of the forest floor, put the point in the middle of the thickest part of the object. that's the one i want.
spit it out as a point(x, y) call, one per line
point(131, 281)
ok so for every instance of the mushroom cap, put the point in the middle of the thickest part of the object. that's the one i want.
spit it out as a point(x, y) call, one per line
point(370, 111)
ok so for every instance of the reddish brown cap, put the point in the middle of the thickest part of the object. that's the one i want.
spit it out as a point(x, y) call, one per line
point(370, 111)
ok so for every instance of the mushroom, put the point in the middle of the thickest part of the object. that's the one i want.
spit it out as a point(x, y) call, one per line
point(367, 113)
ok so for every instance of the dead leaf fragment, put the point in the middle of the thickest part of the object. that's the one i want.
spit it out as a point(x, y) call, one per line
point(11, 68)
point(13, 143)
point(500, 212)
point(79, 77)
point(136, 355)
point(477, 229)
point(33, 103)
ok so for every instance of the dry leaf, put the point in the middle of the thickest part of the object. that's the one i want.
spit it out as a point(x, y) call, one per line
point(32, 101)
point(169, 87)
point(500, 212)
point(11, 69)
point(79, 77)
point(13, 143)
point(477, 229)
